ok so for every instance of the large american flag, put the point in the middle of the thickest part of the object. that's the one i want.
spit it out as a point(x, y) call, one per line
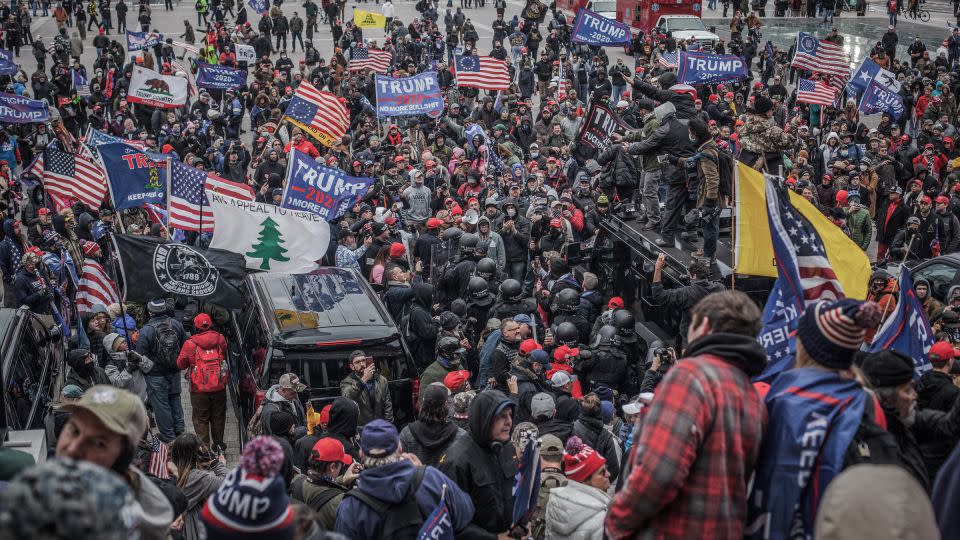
point(318, 112)
point(669, 60)
point(484, 72)
point(95, 287)
point(187, 196)
point(68, 177)
point(363, 58)
point(816, 92)
point(820, 56)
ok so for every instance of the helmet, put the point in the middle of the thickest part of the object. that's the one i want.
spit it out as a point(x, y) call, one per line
point(468, 242)
point(486, 268)
point(567, 301)
point(478, 292)
point(511, 290)
point(453, 233)
point(449, 347)
point(624, 321)
point(567, 333)
point(608, 335)
point(879, 275)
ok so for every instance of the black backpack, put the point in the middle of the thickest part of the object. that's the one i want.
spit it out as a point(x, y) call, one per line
point(312, 495)
point(167, 345)
point(400, 521)
point(871, 443)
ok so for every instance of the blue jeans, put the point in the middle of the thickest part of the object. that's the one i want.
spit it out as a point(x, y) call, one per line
point(893, 19)
point(711, 230)
point(827, 14)
point(164, 393)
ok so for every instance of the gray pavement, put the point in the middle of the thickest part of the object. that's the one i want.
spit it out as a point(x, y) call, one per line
point(231, 434)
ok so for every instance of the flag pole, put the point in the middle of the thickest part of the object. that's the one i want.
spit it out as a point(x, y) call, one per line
point(169, 175)
point(897, 285)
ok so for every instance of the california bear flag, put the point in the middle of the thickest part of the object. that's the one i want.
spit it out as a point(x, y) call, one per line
point(271, 238)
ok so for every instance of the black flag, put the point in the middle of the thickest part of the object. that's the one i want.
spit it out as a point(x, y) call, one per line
point(153, 268)
point(601, 123)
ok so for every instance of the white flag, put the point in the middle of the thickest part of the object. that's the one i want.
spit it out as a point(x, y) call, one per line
point(245, 53)
point(151, 88)
point(271, 238)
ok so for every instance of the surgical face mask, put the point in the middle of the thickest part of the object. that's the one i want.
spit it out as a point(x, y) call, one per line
point(534, 153)
point(511, 212)
point(844, 153)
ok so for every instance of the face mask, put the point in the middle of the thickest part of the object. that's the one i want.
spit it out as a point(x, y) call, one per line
point(534, 153)
point(692, 138)
point(511, 212)
point(844, 153)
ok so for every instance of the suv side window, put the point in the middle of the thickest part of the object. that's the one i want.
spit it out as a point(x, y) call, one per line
point(24, 381)
point(252, 359)
point(941, 277)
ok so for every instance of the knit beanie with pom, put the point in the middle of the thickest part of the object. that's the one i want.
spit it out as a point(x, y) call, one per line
point(831, 332)
point(580, 462)
point(252, 501)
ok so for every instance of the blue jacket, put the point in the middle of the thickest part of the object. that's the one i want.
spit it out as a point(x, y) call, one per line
point(28, 289)
point(11, 251)
point(390, 483)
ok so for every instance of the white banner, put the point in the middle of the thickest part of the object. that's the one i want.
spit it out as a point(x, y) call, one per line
point(271, 238)
point(245, 53)
point(151, 88)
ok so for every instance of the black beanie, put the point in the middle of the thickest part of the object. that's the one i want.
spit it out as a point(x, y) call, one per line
point(888, 369)
point(281, 422)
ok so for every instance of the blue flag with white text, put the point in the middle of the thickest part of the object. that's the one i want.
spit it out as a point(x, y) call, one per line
point(16, 109)
point(526, 487)
point(594, 29)
point(703, 68)
point(324, 191)
point(135, 177)
point(220, 77)
point(408, 96)
point(870, 71)
point(438, 525)
point(778, 330)
point(878, 99)
point(137, 41)
point(260, 6)
point(907, 330)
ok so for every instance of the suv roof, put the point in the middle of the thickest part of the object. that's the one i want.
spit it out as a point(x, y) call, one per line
point(327, 306)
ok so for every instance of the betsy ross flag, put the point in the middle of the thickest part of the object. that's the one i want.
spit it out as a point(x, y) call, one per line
point(805, 276)
point(485, 72)
point(319, 113)
point(363, 58)
point(816, 92)
point(907, 329)
point(68, 177)
point(95, 288)
point(820, 56)
point(189, 208)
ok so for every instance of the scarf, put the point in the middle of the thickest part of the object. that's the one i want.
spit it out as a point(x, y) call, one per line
point(813, 417)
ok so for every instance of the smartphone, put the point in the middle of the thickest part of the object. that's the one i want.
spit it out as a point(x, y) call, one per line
point(368, 361)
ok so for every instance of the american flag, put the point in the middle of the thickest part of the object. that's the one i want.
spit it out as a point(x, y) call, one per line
point(158, 458)
point(561, 82)
point(187, 196)
point(318, 112)
point(80, 83)
point(816, 92)
point(67, 177)
point(95, 138)
point(820, 56)
point(95, 288)
point(484, 72)
point(363, 58)
point(669, 60)
point(186, 46)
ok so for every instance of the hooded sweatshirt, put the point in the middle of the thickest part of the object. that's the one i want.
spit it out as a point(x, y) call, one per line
point(485, 468)
point(208, 340)
point(273, 402)
point(428, 441)
point(344, 418)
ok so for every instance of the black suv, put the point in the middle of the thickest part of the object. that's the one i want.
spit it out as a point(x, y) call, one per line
point(32, 363)
point(309, 324)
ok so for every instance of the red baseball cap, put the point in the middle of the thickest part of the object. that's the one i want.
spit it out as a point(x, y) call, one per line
point(43, 211)
point(615, 303)
point(940, 352)
point(397, 249)
point(434, 223)
point(928, 145)
point(527, 346)
point(941, 199)
point(329, 450)
point(925, 199)
point(390, 220)
point(455, 380)
point(556, 223)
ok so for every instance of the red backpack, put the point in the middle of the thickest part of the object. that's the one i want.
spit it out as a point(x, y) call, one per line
point(209, 373)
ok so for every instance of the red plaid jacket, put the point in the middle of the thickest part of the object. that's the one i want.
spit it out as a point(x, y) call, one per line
point(694, 457)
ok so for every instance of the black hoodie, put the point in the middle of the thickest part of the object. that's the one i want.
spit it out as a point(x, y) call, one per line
point(429, 441)
point(484, 468)
point(344, 415)
point(423, 326)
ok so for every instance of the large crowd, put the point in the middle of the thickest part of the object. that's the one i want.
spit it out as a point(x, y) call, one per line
point(474, 233)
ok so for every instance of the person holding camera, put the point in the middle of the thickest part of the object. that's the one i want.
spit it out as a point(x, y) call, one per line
point(124, 367)
point(682, 299)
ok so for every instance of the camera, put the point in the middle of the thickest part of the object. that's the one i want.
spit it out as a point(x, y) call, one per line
point(667, 358)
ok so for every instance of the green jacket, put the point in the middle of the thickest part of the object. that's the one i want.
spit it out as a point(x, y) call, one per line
point(861, 226)
point(435, 372)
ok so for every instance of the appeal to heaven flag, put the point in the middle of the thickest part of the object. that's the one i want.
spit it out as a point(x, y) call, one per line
point(753, 254)
point(271, 238)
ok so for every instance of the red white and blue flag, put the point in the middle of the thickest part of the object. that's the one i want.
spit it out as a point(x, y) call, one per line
point(816, 92)
point(484, 72)
point(95, 287)
point(907, 329)
point(820, 56)
point(189, 208)
point(364, 58)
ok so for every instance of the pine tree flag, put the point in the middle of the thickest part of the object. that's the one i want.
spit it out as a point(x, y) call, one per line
point(271, 238)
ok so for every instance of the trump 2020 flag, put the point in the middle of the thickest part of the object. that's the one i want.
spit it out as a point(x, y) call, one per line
point(438, 525)
point(16, 109)
point(878, 99)
point(137, 41)
point(703, 68)
point(906, 329)
point(419, 94)
point(271, 238)
point(595, 29)
point(220, 77)
point(526, 488)
point(321, 190)
point(135, 177)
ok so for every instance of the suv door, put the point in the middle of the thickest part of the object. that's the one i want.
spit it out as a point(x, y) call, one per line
point(28, 393)
point(941, 275)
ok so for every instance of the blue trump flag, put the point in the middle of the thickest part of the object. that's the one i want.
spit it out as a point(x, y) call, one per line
point(879, 99)
point(907, 330)
point(321, 190)
point(137, 41)
point(438, 525)
point(135, 177)
point(260, 6)
point(526, 487)
point(779, 328)
point(6, 55)
point(220, 77)
point(20, 110)
point(409, 96)
point(595, 29)
point(703, 68)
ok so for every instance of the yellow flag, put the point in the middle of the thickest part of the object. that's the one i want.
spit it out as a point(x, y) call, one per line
point(368, 19)
point(753, 252)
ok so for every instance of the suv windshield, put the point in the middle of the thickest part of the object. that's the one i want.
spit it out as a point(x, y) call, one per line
point(685, 23)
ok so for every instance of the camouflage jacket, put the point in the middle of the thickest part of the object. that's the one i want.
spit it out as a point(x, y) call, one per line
point(759, 134)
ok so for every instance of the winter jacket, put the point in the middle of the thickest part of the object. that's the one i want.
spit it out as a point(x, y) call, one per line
point(429, 441)
point(32, 290)
point(273, 402)
point(484, 468)
point(561, 429)
point(671, 138)
point(397, 298)
point(11, 251)
point(623, 169)
point(495, 247)
point(437, 370)
point(887, 228)
point(683, 103)
point(200, 484)
point(390, 483)
point(148, 342)
point(936, 391)
point(423, 325)
point(925, 445)
point(591, 431)
point(211, 339)
point(576, 512)
point(120, 376)
point(379, 405)
point(682, 299)
point(861, 226)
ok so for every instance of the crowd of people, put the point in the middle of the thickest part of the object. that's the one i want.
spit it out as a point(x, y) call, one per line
point(476, 233)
